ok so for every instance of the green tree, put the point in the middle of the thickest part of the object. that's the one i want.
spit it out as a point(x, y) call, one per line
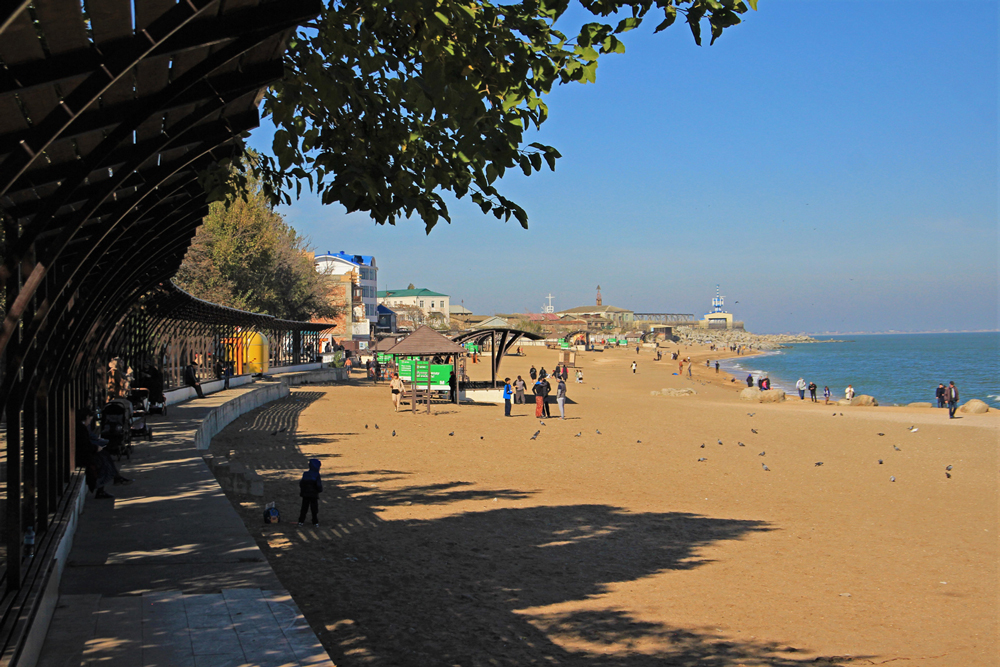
point(386, 104)
point(246, 256)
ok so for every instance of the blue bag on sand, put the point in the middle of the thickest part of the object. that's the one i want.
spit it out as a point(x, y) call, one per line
point(271, 514)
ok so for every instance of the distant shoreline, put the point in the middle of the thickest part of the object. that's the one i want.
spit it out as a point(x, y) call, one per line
point(889, 333)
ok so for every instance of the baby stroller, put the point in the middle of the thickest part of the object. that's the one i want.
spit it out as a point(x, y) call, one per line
point(139, 398)
point(116, 428)
point(151, 381)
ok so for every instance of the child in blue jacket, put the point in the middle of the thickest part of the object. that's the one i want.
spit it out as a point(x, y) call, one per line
point(310, 486)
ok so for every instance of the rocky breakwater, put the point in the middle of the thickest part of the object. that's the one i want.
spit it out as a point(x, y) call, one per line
point(727, 337)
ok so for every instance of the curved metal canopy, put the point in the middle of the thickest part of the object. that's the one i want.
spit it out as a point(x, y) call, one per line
point(109, 111)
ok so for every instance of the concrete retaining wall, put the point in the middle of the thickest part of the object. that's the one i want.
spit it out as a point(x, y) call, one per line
point(182, 394)
point(225, 414)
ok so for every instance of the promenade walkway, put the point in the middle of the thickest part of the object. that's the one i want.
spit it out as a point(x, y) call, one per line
point(166, 574)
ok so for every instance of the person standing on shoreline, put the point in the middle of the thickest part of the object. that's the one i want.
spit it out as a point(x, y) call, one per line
point(826, 395)
point(952, 394)
point(749, 379)
point(940, 394)
point(849, 392)
point(812, 391)
point(716, 367)
point(800, 386)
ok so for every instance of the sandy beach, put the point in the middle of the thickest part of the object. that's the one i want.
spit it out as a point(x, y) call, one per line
point(456, 539)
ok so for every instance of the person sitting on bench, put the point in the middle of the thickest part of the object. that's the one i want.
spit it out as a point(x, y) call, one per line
point(191, 378)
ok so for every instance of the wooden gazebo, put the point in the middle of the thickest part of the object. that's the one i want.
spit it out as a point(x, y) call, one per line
point(425, 342)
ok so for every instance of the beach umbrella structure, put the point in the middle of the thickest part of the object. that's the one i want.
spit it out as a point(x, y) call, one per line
point(427, 343)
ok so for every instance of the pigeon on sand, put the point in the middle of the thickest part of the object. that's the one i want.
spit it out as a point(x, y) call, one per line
point(766, 469)
point(452, 433)
point(578, 434)
point(897, 448)
point(720, 442)
point(376, 428)
point(818, 463)
point(948, 468)
point(761, 454)
point(702, 459)
point(753, 430)
point(394, 433)
point(741, 444)
point(536, 435)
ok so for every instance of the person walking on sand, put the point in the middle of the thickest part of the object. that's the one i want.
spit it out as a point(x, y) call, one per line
point(546, 390)
point(849, 392)
point(633, 368)
point(396, 387)
point(826, 395)
point(800, 386)
point(508, 393)
point(951, 393)
point(310, 486)
point(716, 367)
point(561, 397)
point(812, 392)
point(579, 376)
point(538, 391)
point(690, 366)
point(519, 387)
point(533, 374)
point(940, 394)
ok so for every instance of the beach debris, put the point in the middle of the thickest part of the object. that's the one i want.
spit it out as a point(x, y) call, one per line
point(741, 444)
point(948, 475)
point(754, 431)
point(845, 595)
point(818, 463)
point(881, 433)
point(452, 433)
point(948, 468)
point(578, 434)
point(914, 430)
point(766, 469)
point(702, 459)
point(841, 414)
point(897, 448)
point(880, 461)
point(761, 454)
point(892, 479)
point(394, 433)
point(834, 414)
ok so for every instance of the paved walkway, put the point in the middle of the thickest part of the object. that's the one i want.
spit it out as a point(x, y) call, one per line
point(166, 574)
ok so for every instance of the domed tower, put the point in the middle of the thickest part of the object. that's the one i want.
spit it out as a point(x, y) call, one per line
point(599, 295)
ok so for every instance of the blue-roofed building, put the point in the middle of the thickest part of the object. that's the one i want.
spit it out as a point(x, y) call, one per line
point(362, 308)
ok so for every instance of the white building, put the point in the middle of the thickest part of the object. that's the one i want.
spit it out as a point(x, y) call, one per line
point(337, 264)
point(433, 304)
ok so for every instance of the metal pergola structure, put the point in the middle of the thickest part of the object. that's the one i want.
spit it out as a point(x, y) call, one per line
point(109, 111)
point(501, 340)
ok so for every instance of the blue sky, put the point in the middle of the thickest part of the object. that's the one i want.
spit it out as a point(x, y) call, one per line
point(833, 165)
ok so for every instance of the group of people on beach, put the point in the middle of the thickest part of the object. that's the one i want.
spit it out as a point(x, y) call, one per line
point(947, 396)
point(541, 388)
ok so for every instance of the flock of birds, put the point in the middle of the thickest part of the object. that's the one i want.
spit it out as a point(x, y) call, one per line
point(817, 464)
point(892, 478)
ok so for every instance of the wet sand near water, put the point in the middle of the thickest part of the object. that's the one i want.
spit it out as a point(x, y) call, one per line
point(620, 548)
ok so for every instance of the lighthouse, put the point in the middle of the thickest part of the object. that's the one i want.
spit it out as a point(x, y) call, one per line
point(717, 318)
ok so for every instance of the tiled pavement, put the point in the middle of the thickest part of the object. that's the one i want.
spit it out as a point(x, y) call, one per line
point(166, 574)
point(234, 628)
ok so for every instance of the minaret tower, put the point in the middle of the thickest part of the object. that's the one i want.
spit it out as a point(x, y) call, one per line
point(599, 295)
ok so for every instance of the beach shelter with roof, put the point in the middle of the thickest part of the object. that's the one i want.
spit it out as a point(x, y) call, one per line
point(427, 343)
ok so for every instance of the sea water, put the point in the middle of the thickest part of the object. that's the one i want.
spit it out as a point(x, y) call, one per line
point(894, 368)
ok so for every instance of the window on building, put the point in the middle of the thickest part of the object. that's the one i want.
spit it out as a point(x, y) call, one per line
point(421, 304)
